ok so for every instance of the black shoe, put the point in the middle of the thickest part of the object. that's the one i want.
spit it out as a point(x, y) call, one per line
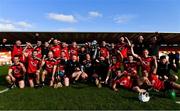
point(38, 86)
point(11, 86)
point(74, 82)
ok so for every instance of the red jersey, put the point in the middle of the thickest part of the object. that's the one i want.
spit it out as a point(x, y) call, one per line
point(56, 50)
point(115, 67)
point(29, 51)
point(156, 82)
point(123, 48)
point(33, 65)
point(17, 70)
point(49, 64)
point(73, 51)
point(104, 52)
point(65, 50)
point(17, 50)
point(125, 82)
point(130, 66)
point(61, 66)
point(147, 64)
point(39, 51)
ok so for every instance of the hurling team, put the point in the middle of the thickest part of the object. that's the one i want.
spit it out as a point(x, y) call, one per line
point(132, 65)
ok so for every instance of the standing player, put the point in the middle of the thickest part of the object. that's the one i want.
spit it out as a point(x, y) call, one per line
point(38, 47)
point(17, 50)
point(65, 49)
point(104, 50)
point(123, 47)
point(16, 73)
point(56, 49)
point(33, 65)
point(73, 50)
point(82, 54)
point(49, 71)
point(45, 49)
point(28, 49)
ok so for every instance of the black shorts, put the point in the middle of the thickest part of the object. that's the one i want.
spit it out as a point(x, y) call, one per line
point(31, 76)
point(167, 85)
point(19, 78)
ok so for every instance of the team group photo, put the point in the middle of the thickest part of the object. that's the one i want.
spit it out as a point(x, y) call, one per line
point(100, 65)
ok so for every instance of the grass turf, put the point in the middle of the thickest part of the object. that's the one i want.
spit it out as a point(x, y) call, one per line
point(81, 96)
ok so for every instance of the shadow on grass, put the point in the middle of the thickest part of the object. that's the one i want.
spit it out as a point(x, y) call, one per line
point(3, 80)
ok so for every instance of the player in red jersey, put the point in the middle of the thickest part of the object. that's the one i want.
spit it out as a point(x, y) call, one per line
point(123, 79)
point(73, 50)
point(123, 47)
point(147, 62)
point(131, 66)
point(33, 65)
point(49, 71)
point(56, 49)
point(114, 67)
point(129, 78)
point(65, 49)
point(38, 47)
point(163, 85)
point(16, 73)
point(60, 72)
point(17, 50)
point(28, 49)
point(104, 50)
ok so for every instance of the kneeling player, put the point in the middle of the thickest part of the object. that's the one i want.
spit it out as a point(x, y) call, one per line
point(101, 70)
point(16, 73)
point(49, 71)
point(113, 70)
point(60, 73)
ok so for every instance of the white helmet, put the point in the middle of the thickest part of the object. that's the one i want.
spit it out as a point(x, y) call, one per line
point(144, 97)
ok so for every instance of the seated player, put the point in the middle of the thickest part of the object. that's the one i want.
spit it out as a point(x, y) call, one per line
point(49, 70)
point(123, 79)
point(33, 63)
point(144, 82)
point(73, 70)
point(162, 85)
point(16, 73)
point(101, 68)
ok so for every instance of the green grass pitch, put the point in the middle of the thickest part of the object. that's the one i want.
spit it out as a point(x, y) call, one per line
point(80, 96)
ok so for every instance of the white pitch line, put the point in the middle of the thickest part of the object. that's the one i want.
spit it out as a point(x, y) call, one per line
point(178, 102)
point(5, 90)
